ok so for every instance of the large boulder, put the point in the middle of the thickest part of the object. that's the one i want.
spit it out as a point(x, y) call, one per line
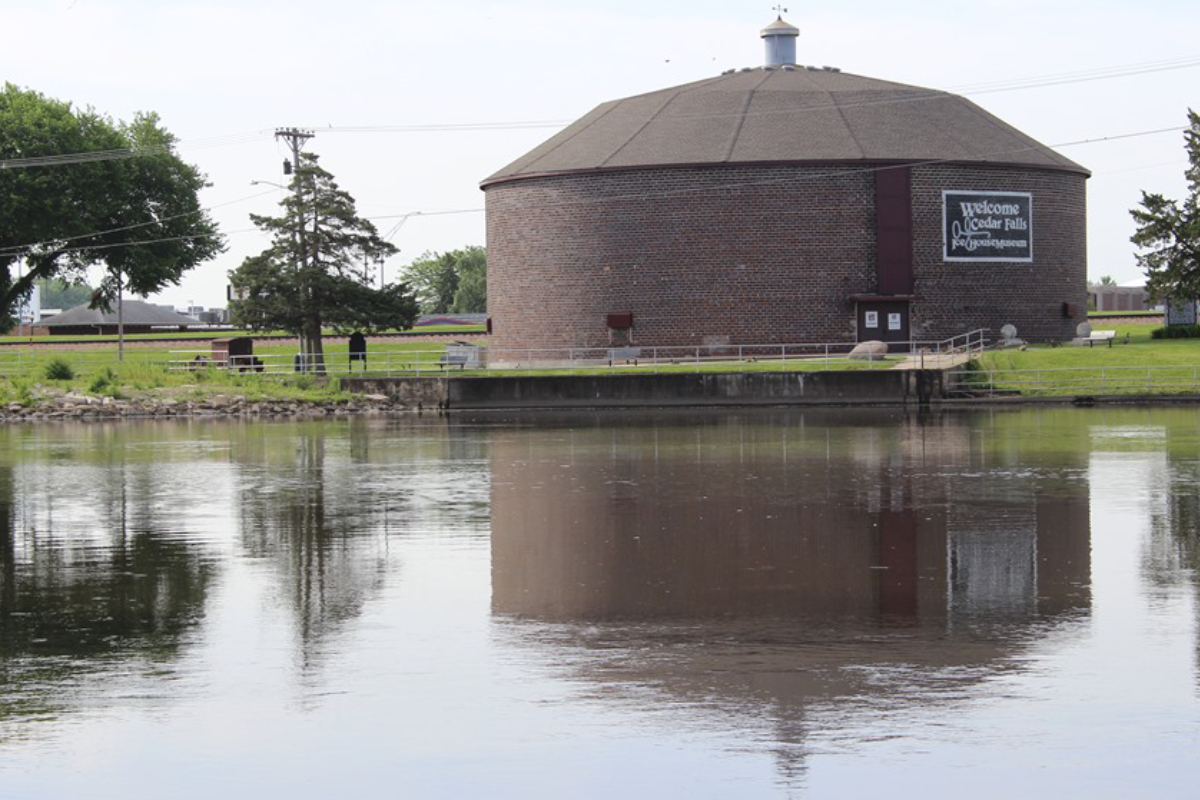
point(872, 350)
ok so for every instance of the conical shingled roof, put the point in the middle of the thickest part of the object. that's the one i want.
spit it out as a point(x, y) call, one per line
point(784, 115)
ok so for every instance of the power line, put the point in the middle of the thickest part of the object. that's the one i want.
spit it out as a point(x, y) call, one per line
point(823, 175)
point(1101, 73)
point(427, 213)
point(917, 95)
point(64, 159)
point(17, 249)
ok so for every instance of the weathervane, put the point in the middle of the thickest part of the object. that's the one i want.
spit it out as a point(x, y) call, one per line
point(780, 10)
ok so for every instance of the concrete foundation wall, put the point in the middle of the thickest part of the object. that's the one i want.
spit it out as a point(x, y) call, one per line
point(884, 387)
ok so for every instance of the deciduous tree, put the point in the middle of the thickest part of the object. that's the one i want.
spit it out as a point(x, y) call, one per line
point(450, 282)
point(77, 190)
point(59, 294)
point(471, 295)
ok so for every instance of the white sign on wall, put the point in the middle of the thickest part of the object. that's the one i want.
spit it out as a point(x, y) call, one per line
point(893, 322)
point(987, 226)
point(871, 319)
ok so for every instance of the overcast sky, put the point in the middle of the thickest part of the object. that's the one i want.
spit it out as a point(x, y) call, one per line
point(224, 74)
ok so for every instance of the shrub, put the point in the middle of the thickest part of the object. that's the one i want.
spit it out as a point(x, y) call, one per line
point(1176, 332)
point(58, 369)
point(106, 379)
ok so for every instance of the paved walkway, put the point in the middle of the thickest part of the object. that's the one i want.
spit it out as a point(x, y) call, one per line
point(934, 361)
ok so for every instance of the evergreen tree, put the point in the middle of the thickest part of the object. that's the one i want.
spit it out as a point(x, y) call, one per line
point(318, 270)
point(1169, 231)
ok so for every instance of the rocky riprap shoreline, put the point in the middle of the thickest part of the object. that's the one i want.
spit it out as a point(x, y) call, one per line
point(91, 407)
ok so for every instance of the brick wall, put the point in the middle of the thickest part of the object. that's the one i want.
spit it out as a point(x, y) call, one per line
point(958, 296)
point(767, 254)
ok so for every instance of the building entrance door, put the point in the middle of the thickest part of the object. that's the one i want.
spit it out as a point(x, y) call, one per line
point(883, 320)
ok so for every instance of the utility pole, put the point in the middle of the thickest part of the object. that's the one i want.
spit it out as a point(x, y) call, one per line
point(296, 139)
point(120, 316)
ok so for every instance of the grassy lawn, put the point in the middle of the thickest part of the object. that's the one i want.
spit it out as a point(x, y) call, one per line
point(26, 373)
point(276, 357)
point(132, 380)
point(464, 330)
point(129, 337)
point(1135, 363)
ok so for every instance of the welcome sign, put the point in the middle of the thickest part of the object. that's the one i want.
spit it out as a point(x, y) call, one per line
point(987, 226)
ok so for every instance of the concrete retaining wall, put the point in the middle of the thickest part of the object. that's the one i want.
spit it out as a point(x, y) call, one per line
point(409, 392)
point(883, 387)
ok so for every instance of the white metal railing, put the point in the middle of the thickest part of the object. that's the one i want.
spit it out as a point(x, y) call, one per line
point(1075, 380)
point(651, 357)
point(383, 361)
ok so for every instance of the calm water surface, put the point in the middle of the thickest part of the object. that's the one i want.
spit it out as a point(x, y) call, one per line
point(750, 604)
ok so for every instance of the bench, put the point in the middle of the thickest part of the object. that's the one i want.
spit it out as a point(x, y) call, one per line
point(461, 355)
point(454, 358)
point(1101, 337)
point(625, 354)
point(246, 363)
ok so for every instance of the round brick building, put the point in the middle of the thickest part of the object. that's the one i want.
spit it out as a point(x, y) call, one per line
point(784, 204)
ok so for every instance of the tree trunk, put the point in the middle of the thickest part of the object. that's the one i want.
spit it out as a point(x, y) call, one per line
point(314, 350)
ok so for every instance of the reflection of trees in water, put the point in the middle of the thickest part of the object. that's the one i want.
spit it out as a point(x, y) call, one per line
point(777, 569)
point(303, 511)
point(73, 606)
point(1172, 555)
point(321, 502)
point(1166, 447)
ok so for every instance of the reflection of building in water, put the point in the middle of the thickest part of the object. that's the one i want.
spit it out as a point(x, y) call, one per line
point(676, 521)
point(768, 566)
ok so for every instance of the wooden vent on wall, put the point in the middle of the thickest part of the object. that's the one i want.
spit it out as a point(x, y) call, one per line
point(620, 322)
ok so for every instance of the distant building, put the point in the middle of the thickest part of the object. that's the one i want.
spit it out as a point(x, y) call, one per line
point(1127, 297)
point(138, 317)
point(214, 316)
point(426, 320)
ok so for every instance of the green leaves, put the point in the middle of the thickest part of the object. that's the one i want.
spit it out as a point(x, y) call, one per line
point(451, 282)
point(138, 215)
point(318, 271)
point(1169, 232)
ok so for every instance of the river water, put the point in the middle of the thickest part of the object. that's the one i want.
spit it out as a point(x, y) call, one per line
point(808, 604)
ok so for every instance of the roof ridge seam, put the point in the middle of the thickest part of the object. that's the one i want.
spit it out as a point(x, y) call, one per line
point(612, 105)
point(741, 120)
point(849, 128)
point(604, 161)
